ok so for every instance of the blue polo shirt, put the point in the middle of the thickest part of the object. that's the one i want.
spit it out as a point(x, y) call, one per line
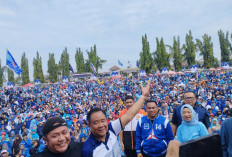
point(203, 116)
point(110, 148)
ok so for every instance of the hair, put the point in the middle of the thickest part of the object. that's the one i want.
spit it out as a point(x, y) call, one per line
point(191, 92)
point(17, 142)
point(150, 101)
point(93, 110)
point(129, 97)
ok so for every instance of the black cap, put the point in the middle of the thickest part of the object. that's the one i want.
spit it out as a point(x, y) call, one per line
point(53, 123)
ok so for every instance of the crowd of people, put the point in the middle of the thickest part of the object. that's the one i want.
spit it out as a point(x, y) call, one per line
point(24, 111)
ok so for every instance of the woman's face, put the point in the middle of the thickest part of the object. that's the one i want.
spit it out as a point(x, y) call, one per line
point(187, 114)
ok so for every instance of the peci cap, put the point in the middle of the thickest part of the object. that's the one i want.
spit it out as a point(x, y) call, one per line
point(53, 123)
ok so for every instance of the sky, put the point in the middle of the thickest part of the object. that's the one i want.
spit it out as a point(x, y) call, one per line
point(115, 26)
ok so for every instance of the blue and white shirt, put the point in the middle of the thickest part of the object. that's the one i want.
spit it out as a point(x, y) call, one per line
point(110, 148)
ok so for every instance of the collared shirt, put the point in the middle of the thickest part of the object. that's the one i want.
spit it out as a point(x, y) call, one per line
point(110, 148)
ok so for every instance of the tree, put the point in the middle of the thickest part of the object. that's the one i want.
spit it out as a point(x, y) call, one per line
point(161, 57)
point(10, 75)
point(38, 70)
point(52, 68)
point(146, 60)
point(190, 49)
point(64, 63)
point(80, 62)
point(225, 46)
point(206, 50)
point(93, 58)
point(176, 53)
point(25, 69)
point(1, 74)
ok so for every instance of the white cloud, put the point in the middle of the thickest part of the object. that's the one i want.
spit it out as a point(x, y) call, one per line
point(116, 27)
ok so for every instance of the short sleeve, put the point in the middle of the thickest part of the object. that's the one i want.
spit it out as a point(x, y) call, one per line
point(115, 126)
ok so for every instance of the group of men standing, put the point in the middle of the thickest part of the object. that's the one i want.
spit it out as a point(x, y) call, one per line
point(142, 134)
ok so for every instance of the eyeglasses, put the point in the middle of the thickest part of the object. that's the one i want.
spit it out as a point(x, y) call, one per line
point(189, 98)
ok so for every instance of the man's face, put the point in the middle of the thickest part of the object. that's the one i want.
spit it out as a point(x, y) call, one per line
point(25, 138)
point(152, 110)
point(3, 136)
point(98, 125)
point(189, 98)
point(58, 139)
point(129, 103)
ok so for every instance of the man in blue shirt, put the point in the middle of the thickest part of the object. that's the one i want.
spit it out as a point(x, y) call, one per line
point(153, 133)
point(103, 140)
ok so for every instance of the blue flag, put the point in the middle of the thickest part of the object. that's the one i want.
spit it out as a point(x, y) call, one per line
point(10, 62)
point(92, 67)
point(137, 64)
point(120, 63)
point(70, 68)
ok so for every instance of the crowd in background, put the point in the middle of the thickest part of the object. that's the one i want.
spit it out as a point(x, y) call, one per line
point(24, 110)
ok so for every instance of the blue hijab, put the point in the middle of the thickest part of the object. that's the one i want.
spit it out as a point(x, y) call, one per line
point(34, 136)
point(194, 120)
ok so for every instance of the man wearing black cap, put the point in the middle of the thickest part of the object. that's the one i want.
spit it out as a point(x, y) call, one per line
point(57, 140)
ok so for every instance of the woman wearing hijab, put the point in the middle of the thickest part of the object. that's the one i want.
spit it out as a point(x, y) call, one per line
point(190, 128)
point(33, 124)
point(34, 136)
point(215, 127)
point(8, 127)
point(12, 138)
point(5, 147)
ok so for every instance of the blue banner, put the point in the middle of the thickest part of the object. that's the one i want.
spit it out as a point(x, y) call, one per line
point(65, 79)
point(37, 81)
point(193, 68)
point(225, 64)
point(10, 62)
point(142, 73)
point(114, 73)
point(10, 84)
point(164, 70)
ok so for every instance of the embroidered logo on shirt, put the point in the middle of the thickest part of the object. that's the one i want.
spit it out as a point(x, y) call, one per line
point(146, 125)
point(152, 136)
